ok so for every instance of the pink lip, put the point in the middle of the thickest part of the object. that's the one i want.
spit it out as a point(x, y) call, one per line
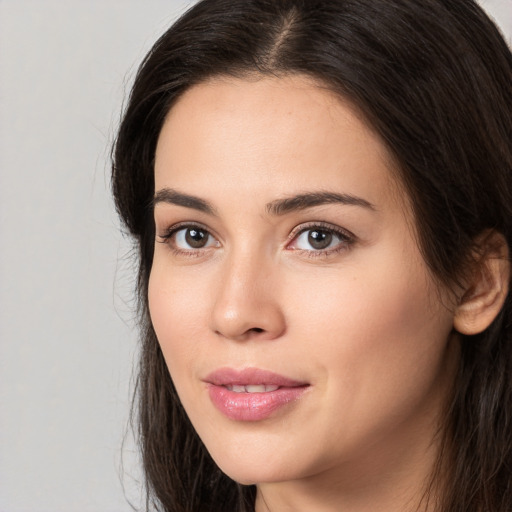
point(251, 406)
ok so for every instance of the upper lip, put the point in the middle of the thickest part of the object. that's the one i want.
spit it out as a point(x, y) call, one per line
point(249, 377)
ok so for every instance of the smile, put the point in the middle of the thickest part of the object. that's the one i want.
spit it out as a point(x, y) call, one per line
point(252, 394)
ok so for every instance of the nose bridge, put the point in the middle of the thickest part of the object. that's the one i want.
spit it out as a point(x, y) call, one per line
point(247, 303)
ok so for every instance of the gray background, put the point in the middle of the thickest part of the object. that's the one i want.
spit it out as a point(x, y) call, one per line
point(67, 336)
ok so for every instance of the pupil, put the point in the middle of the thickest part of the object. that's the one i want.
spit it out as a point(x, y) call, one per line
point(196, 238)
point(320, 239)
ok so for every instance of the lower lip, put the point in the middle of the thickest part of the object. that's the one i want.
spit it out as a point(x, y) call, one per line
point(252, 406)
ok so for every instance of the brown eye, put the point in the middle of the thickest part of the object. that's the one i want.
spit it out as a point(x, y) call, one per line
point(196, 238)
point(193, 237)
point(322, 240)
point(319, 239)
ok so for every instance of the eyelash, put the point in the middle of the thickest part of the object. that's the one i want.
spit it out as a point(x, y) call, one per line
point(168, 238)
point(345, 237)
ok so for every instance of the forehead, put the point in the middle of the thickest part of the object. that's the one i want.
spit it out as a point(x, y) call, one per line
point(272, 135)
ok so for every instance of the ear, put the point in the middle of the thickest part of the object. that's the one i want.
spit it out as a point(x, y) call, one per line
point(488, 285)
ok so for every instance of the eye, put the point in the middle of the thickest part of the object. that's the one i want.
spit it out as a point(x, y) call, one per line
point(193, 238)
point(189, 238)
point(321, 239)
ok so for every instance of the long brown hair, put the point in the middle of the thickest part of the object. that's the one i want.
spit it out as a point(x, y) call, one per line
point(434, 79)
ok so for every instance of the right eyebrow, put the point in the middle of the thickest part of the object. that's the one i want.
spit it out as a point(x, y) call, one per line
point(171, 196)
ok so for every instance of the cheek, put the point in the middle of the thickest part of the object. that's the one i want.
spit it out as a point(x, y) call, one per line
point(368, 304)
point(380, 337)
point(175, 310)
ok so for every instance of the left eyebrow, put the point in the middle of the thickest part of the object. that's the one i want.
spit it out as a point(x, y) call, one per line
point(308, 200)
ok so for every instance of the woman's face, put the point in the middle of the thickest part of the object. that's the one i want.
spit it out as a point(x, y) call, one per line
point(298, 320)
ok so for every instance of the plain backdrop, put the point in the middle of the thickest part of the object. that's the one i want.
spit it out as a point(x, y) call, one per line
point(68, 342)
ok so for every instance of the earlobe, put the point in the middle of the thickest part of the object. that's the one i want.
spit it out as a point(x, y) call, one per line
point(488, 288)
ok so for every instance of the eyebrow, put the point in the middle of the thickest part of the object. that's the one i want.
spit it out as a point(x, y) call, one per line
point(311, 199)
point(170, 196)
point(277, 207)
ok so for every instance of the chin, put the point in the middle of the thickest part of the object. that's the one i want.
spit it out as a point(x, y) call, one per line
point(247, 471)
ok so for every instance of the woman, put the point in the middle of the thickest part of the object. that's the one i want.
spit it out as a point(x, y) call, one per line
point(321, 192)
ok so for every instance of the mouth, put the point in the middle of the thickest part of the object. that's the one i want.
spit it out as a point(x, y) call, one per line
point(253, 380)
point(252, 394)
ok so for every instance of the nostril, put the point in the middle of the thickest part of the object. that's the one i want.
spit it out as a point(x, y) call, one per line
point(256, 329)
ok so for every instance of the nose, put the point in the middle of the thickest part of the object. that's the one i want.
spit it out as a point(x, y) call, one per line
point(247, 304)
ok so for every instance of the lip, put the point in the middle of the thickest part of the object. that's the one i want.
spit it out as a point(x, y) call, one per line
point(251, 406)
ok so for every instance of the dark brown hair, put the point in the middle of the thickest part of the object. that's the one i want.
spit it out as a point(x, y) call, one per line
point(434, 80)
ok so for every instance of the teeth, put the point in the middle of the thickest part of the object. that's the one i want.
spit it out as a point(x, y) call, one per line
point(256, 388)
point(253, 388)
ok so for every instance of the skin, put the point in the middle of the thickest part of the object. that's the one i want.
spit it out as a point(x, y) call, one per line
point(362, 322)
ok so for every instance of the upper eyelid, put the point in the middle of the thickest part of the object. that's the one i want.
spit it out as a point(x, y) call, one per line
point(326, 226)
point(174, 228)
